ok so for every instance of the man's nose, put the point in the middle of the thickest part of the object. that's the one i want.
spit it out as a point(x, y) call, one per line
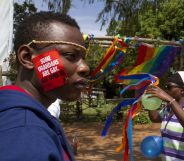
point(83, 69)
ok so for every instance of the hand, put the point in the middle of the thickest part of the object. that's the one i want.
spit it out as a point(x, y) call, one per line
point(155, 91)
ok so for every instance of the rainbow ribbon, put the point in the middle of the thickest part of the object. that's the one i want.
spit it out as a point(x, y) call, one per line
point(105, 66)
point(108, 56)
point(136, 107)
point(112, 65)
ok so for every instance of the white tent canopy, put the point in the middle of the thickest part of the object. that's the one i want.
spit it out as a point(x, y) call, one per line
point(6, 29)
point(6, 33)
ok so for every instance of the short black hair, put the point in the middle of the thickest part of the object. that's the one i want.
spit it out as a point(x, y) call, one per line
point(35, 26)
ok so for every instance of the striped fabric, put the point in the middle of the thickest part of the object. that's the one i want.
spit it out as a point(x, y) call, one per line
point(173, 136)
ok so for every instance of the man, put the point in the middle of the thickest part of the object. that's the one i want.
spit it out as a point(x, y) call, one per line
point(171, 116)
point(50, 57)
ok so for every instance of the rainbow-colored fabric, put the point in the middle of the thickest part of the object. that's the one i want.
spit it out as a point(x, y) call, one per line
point(155, 61)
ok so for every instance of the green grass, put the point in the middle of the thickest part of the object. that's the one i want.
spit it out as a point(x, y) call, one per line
point(101, 112)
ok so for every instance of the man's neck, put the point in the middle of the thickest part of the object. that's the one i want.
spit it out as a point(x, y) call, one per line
point(34, 92)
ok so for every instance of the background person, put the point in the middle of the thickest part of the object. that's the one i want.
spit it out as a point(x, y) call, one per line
point(171, 116)
point(54, 109)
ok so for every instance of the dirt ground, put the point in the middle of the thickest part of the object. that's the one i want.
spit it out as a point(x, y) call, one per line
point(92, 147)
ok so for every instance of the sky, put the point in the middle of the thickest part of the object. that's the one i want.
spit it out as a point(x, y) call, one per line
point(85, 14)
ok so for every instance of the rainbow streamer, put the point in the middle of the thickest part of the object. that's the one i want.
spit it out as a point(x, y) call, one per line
point(105, 66)
point(107, 58)
point(112, 65)
point(135, 109)
point(127, 132)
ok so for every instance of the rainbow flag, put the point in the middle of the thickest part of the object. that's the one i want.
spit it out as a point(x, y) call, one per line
point(155, 61)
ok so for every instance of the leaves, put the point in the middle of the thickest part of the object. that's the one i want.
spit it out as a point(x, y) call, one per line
point(62, 6)
point(165, 21)
point(22, 10)
point(152, 19)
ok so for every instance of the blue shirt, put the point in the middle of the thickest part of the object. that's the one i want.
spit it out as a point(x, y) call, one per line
point(28, 132)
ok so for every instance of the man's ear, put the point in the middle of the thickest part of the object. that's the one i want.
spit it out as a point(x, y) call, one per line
point(25, 55)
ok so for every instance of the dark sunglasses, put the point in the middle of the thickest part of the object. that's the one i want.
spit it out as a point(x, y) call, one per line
point(170, 86)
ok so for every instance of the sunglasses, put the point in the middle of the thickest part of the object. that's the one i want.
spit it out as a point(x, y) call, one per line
point(170, 86)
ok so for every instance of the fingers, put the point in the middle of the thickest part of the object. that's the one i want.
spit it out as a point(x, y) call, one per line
point(151, 89)
point(152, 95)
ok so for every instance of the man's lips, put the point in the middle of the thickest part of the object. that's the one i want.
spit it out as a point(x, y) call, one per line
point(81, 84)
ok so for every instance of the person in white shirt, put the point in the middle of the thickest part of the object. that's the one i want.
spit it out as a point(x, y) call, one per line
point(54, 108)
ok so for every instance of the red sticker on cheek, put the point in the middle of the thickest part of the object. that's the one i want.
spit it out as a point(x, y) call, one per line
point(50, 70)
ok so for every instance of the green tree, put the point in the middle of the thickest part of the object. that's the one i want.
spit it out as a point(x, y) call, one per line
point(153, 18)
point(62, 6)
point(167, 23)
point(22, 10)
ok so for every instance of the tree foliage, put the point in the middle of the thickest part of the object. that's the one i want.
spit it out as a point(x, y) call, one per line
point(166, 23)
point(155, 19)
point(22, 10)
point(122, 12)
point(62, 6)
point(147, 18)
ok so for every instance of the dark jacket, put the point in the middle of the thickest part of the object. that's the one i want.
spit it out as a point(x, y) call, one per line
point(28, 132)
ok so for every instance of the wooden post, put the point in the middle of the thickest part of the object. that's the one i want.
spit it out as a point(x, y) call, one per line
point(1, 76)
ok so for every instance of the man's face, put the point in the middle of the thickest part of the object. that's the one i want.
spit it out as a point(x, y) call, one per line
point(72, 58)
